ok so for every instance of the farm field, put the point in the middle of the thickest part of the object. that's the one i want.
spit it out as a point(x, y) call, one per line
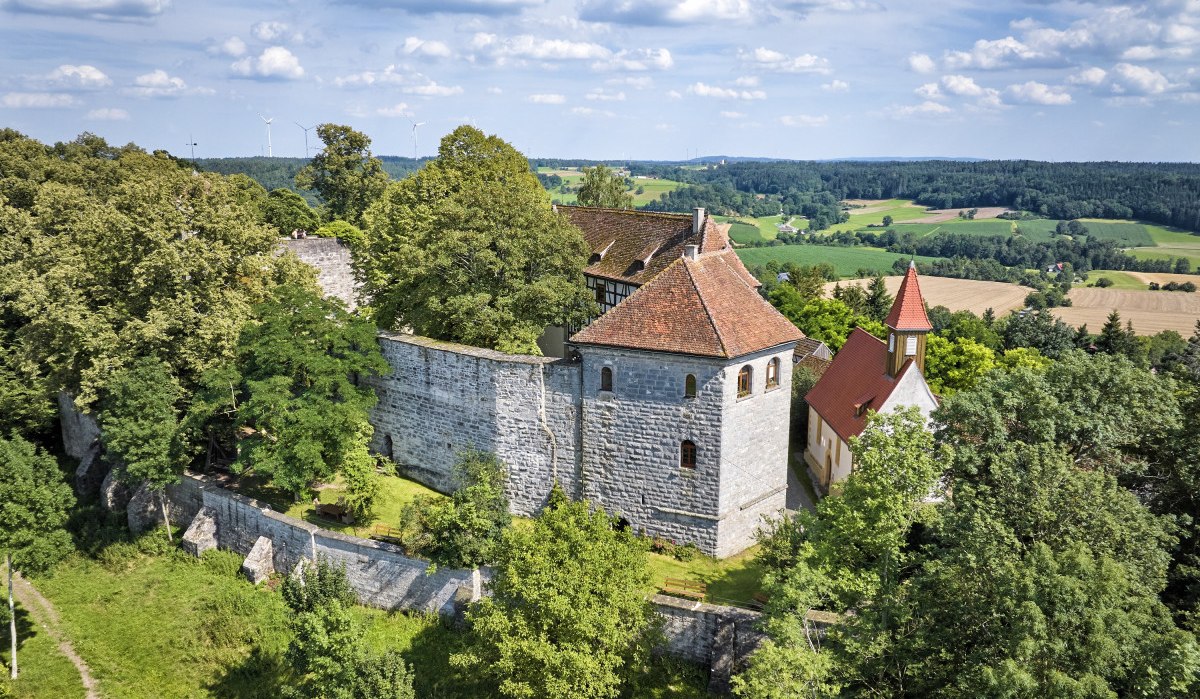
point(748, 229)
point(1120, 280)
point(1168, 243)
point(846, 261)
point(872, 211)
point(1150, 311)
point(959, 294)
point(982, 228)
point(944, 215)
point(652, 188)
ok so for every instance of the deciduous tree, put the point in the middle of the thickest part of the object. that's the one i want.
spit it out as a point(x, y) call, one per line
point(344, 173)
point(604, 188)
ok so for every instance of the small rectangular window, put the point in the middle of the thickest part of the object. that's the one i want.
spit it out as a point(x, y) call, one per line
point(910, 346)
point(601, 289)
point(687, 454)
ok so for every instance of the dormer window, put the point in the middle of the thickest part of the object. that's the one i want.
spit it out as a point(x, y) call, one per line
point(744, 377)
point(773, 373)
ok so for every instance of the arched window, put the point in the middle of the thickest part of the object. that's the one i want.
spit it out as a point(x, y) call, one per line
point(744, 377)
point(387, 446)
point(689, 386)
point(606, 379)
point(773, 373)
point(687, 454)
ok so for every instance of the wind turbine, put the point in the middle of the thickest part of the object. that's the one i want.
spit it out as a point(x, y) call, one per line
point(268, 123)
point(415, 124)
point(306, 128)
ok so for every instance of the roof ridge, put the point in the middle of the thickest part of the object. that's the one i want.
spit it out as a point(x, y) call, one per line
point(704, 303)
point(631, 212)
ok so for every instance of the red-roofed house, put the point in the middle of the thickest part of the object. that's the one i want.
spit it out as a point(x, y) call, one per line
point(868, 374)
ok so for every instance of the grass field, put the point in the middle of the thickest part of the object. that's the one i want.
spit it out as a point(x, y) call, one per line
point(961, 294)
point(845, 261)
point(45, 672)
point(733, 580)
point(748, 229)
point(168, 626)
point(899, 209)
point(1120, 280)
point(652, 188)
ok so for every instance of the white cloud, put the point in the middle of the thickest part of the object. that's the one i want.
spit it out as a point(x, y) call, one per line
point(495, 91)
point(921, 63)
point(637, 60)
point(733, 115)
point(274, 63)
point(987, 55)
point(929, 91)
point(924, 108)
point(747, 81)
point(388, 76)
point(107, 10)
point(703, 90)
point(82, 77)
point(526, 46)
point(675, 94)
point(108, 114)
point(399, 109)
point(961, 85)
point(1033, 92)
point(640, 82)
point(803, 120)
point(1139, 80)
point(1154, 53)
point(233, 47)
point(37, 100)
point(836, 86)
point(770, 59)
point(602, 95)
point(668, 12)
point(424, 47)
point(432, 89)
point(588, 111)
point(158, 83)
point(547, 99)
point(269, 31)
point(1088, 76)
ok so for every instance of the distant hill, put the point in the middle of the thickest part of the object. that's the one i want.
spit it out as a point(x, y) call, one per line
point(276, 173)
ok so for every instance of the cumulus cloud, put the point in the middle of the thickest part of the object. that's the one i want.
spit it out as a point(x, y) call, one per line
point(390, 75)
point(961, 85)
point(1138, 80)
point(82, 77)
point(400, 109)
point(747, 81)
point(106, 10)
point(108, 114)
point(602, 95)
point(929, 91)
point(233, 47)
point(640, 82)
point(269, 31)
point(800, 120)
point(1088, 76)
point(1033, 92)
point(922, 109)
point(546, 99)
point(158, 83)
point(526, 46)
point(990, 55)
point(704, 90)
point(836, 86)
point(589, 111)
point(637, 60)
point(274, 63)
point(668, 12)
point(37, 100)
point(429, 7)
point(770, 59)
point(432, 89)
point(921, 63)
point(414, 46)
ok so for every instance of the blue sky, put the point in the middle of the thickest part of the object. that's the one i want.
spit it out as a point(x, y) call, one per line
point(647, 79)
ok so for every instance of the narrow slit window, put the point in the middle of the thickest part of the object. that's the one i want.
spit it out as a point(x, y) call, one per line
point(744, 377)
point(773, 373)
point(606, 379)
point(689, 386)
point(687, 454)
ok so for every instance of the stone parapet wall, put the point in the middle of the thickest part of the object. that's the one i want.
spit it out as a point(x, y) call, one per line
point(441, 398)
point(331, 259)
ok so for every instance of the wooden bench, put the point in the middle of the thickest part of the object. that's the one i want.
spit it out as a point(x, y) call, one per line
point(678, 587)
point(760, 600)
point(382, 532)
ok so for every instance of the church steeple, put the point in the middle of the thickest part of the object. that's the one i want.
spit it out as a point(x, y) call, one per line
point(907, 325)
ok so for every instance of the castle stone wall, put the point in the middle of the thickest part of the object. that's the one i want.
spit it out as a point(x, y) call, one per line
point(441, 398)
point(331, 259)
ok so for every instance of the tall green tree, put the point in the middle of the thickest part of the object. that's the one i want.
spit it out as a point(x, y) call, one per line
point(288, 212)
point(568, 617)
point(469, 250)
point(956, 365)
point(603, 188)
point(345, 174)
point(140, 423)
point(34, 505)
point(879, 301)
point(297, 385)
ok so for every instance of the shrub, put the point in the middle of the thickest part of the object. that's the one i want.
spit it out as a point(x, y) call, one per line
point(687, 552)
point(318, 585)
point(226, 564)
point(1104, 282)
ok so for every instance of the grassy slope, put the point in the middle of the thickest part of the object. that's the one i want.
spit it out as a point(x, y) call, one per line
point(1120, 280)
point(168, 626)
point(1169, 242)
point(45, 672)
point(899, 209)
point(846, 261)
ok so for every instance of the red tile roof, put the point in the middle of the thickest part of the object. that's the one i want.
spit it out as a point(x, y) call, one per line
point(856, 381)
point(908, 312)
point(633, 246)
point(702, 307)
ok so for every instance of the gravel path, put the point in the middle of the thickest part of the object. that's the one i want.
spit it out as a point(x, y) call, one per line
point(46, 616)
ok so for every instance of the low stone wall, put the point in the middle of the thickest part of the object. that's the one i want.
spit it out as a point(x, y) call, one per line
point(331, 259)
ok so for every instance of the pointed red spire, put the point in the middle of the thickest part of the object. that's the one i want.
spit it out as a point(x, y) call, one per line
point(908, 312)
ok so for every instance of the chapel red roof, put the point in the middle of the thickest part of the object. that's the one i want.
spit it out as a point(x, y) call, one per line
point(704, 306)
point(908, 311)
point(855, 382)
point(634, 246)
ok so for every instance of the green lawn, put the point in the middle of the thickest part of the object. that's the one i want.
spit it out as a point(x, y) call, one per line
point(845, 261)
point(899, 209)
point(732, 580)
point(1120, 280)
point(167, 626)
point(989, 227)
point(1172, 237)
point(45, 672)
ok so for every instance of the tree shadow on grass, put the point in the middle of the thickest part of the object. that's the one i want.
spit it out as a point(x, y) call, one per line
point(261, 675)
point(434, 677)
point(26, 630)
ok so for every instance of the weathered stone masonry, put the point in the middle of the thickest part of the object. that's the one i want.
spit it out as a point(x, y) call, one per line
point(331, 259)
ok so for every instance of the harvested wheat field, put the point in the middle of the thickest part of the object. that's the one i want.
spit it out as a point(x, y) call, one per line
point(959, 294)
point(1164, 277)
point(1150, 311)
point(943, 215)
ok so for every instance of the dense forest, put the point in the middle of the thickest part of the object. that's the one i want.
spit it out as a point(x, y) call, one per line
point(280, 173)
